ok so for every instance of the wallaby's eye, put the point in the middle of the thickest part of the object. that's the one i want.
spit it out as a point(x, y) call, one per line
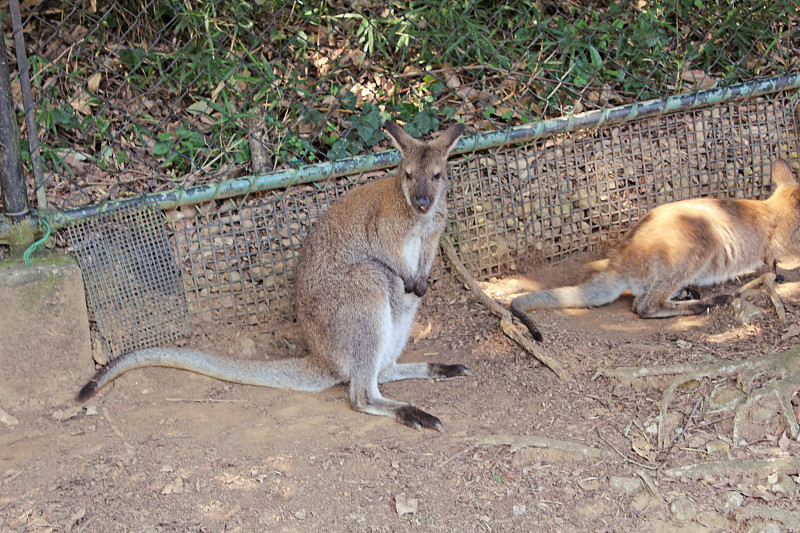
point(408, 175)
point(437, 176)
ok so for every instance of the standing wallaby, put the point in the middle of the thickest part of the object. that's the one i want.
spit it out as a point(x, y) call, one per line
point(359, 279)
point(682, 244)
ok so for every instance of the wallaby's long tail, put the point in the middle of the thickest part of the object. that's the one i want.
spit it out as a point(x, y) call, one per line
point(602, 288)
point(290, 373)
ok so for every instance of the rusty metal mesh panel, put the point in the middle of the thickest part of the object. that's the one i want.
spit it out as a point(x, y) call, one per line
point(132, 281)
point(538, 201)
point(543, 200)
point(575, 193)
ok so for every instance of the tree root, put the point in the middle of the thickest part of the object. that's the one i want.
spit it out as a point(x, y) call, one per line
point(784, 365)
point(506, 323)
point(767, 283)
point(762, 467)
point(764, 512)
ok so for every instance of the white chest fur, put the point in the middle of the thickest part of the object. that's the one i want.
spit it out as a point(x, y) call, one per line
point(413, 247)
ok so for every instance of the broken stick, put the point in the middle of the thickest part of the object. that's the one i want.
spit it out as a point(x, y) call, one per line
point(506, 323)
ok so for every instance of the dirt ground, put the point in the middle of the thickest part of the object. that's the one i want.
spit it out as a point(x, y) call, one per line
point(165, 450)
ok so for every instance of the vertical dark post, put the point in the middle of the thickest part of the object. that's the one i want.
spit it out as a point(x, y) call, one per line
point(12, 182)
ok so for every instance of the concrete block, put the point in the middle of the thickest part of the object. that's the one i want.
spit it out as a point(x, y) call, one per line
point(45, 347)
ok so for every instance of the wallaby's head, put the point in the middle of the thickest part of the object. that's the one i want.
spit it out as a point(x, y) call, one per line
point(423, 167)
point(786, 186)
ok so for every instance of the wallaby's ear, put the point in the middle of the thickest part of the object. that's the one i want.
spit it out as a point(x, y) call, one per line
point(398, 135)
point(782, 174)
point(448, 139)
point(796, 197)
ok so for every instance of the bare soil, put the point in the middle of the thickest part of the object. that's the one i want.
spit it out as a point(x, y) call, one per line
point(165, 450)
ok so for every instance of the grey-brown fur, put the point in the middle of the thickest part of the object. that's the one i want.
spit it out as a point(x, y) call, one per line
point(687, 243)
point(359, 280)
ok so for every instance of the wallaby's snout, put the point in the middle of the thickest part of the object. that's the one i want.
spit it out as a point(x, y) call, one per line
point(423, 194)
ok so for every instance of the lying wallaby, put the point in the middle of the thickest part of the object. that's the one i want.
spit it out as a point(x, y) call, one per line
point(359, 279)
point(682, 244)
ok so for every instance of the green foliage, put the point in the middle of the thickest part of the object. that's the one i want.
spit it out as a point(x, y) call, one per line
point(324, 77)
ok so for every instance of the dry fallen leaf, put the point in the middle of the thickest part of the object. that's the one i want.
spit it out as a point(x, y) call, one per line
point(793, 331)
point(424, 333)
point(784, 442)
point(65, 414)
point(405, 505)
point(643, 448)
point(93, 83)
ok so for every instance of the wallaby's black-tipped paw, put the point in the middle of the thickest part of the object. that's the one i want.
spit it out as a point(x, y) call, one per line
point(408, 285)
point(440, 370)
point(418, 419)
point(780, 278)
point(421, 287)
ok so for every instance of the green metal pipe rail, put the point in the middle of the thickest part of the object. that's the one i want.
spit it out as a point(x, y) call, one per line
point(356, 165)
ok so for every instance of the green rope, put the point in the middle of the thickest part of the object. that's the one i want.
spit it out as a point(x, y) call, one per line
point(26, 256)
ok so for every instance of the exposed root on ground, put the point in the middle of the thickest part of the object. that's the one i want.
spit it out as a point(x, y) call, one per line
point(506, 323)
point(785, 366)
point(762, 467)
point(789, 520)
point(767, 283)
point(520, 442)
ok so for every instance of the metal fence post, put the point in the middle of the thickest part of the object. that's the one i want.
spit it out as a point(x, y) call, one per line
point(12, 180)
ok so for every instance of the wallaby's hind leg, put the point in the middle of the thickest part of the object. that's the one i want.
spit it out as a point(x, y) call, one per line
point(375, 344)
point(656, 303)
point(402, 371)
point(366, 397)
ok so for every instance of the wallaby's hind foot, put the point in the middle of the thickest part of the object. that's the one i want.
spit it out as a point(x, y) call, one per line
point(443, 371)
point(417, 418)
point(367, 398)
point(397, 372)
point(646, 308)
point(370, 401)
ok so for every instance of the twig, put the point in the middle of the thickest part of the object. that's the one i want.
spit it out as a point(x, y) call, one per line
point(459, 454)
point(128, 446)
point(624, 457)
point(653, 489)
point(517, 443)
point(506, 323)
point(203, 400)
point(682, 434)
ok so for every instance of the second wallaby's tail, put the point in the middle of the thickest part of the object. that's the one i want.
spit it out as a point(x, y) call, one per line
point(291, 373)
point(602, 288)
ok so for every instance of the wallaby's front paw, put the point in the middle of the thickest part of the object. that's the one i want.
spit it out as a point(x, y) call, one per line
point(418, 419)
point(780, 278)
point(421, 287)
point(440, 370)
point(722, 299)
point(409, 286)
